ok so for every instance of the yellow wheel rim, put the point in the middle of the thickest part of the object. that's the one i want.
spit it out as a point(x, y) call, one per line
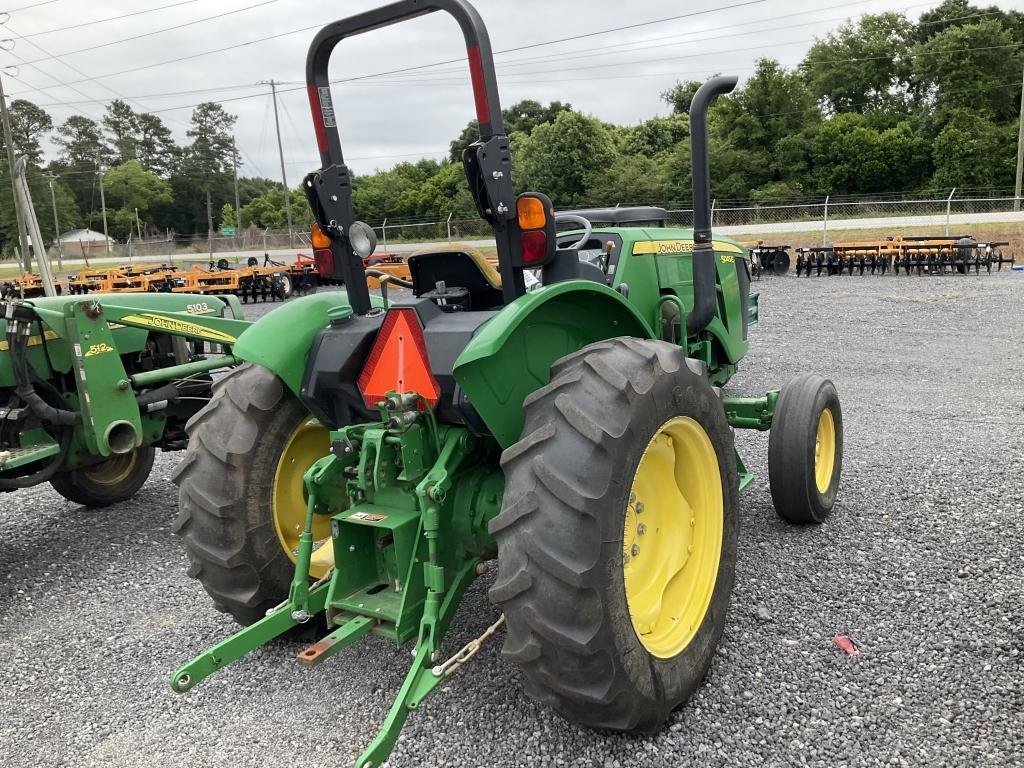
point(113, 471)
point(825, 451)
point(672, 538)
point(306, 444)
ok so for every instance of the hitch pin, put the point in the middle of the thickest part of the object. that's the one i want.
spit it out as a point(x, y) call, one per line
point(401, 402)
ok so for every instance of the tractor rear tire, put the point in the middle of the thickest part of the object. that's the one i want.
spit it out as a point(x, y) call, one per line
point(247, 447)
point(805, 449)
point(109, 482)
point(570, 537)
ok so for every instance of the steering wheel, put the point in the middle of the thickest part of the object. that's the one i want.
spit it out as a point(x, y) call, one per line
point(588, 228)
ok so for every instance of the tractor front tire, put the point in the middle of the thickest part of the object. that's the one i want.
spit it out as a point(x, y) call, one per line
point(109, 482)
point(240, 492)
point(617, 534)
point(805, 449)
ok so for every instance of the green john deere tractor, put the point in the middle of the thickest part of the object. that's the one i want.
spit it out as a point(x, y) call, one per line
point(576, 432)
point(91, 387)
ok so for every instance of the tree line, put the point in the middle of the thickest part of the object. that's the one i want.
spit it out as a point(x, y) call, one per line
point(150, 183)
point(881, 105)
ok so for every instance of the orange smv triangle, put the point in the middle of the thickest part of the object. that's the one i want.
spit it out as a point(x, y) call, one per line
point(398, 361)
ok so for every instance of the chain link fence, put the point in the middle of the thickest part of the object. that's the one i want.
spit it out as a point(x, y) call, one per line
point(173, 247)
point(731, 214)
point(819, 213)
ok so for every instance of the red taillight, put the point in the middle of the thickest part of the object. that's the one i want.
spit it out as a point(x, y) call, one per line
point(536, 220)
point(534, 245)
point(324, 260)
point(398, 361)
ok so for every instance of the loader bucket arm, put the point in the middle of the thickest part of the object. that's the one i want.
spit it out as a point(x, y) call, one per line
point(488, 162)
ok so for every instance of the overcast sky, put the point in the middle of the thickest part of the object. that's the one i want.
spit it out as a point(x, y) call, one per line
point(385, 119)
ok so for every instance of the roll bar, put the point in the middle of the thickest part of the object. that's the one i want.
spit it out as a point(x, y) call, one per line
point(487, 162)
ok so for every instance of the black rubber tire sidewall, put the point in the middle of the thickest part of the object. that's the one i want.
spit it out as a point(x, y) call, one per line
point(540, 536)
point(791, 442)
point(225, 492)
point(79, 487)
point(676, 678)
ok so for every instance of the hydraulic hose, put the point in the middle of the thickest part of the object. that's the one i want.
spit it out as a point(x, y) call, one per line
point(705, 294)
point(17, 343)
point(166, 392)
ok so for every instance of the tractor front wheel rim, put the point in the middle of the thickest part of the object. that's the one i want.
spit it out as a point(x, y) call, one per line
point(824, 451)
point(307, 444)
point(672, 539)
point(113, 471)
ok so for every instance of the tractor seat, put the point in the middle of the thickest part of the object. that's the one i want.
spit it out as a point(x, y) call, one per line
point(458, 266)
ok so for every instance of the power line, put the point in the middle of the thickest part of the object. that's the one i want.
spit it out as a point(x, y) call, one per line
point(30, 5)
point(688, 37)
point(203, 53)
point(43, 90)
point(253, 164)
point(435, 80)
point(160, 31)
point(911, 54)
point(434, 64)
point(348, 81)
point(1014, 84)
point(712, 53)
point(51, 77)
point(633, 26)
point(422, 66)
point(164, 95)
point(110, 18)
point(297, 134)
point(432, 80)
point(581, 36)
point(562, 57)
point(73, 68)
point(422, 153)
point(265, 123)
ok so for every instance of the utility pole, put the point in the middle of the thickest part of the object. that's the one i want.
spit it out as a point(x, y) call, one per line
point(280, 152)
point(1020, 148)
point(103, 205)
point(26, 258)
point(23, 199)
point(52, 177)
point(234, 170)
point(209, 222)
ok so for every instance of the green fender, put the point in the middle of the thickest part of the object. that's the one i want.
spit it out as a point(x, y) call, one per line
point(282, 340)
point(511, 356)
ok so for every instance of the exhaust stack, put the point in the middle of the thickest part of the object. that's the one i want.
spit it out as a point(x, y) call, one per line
point(704, 293)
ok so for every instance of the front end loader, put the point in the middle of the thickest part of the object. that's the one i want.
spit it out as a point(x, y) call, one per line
point(577, 433)
point(91, 386)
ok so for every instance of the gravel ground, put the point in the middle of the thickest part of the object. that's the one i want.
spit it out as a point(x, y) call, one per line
point(922, 563)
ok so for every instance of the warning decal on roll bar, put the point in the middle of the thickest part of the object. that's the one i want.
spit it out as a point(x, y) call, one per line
point(327, 106)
